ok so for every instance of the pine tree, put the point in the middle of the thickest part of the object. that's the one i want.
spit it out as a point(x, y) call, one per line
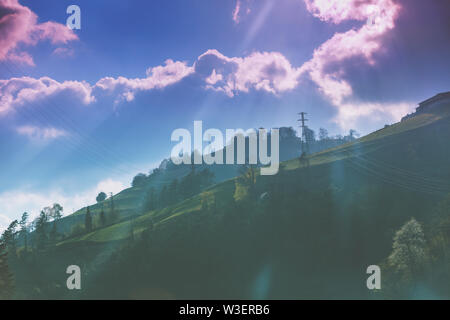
point(6, 277)
point(88, 220)
point(9, 237)
point(101, 197)
point(24, 230)
point(56, 214)
point(41, 236)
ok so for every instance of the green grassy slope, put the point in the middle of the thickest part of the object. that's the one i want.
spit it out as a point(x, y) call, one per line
point(398, 134)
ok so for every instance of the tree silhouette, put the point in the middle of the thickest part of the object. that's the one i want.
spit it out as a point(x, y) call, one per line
point(56, 214)
point(6, 277)
point(24, 229)
point(139, 180)
point(41, 236)
point(100, 198)
point(88, 220)
point(9, 236)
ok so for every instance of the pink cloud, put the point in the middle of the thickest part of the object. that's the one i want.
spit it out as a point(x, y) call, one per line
point(265, 71)
point(16, 92)
point(337, 11)
point(18, 25)
point(213, 78)
point(236, 11)
point(261, 71)
point(157, 78)
point(355, 43)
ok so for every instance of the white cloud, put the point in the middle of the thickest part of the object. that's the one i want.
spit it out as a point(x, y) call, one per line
point(262, 71)
point(17, 92)
point(351, 114)
point(157, 77)
point(14, 203)
point(355, 43)
point(41, 134)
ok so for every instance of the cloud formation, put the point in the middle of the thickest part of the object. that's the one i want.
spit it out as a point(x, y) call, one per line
point(18, 25)
point(262, 71)
point(17, 92)
point(327, 66)
point(157, 78)
point(265, 71)
point(269, 72)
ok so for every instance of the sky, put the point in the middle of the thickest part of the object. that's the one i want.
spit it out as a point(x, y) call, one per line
point(83, 111)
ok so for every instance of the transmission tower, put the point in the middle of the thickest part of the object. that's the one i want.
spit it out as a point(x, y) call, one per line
point(305, 147)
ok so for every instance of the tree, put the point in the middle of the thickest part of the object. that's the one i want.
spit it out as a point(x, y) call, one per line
point(101, 197)
point(139, 180)
point(57, 211)
point(24, 229)
point(56, 214)
point(323, 134)
point(6, 277)
point(9, 237)
point(41, 236)
point(409, 253)
point(248, 178)
point(88, 220)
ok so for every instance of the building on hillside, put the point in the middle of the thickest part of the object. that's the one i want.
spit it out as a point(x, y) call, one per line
point(437, 100)
point(431, 103)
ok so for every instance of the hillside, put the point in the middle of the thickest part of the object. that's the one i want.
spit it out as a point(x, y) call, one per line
point(361, 155)
point(338, 214)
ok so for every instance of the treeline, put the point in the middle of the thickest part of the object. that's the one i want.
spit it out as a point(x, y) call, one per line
point(23, 236)
point(290, 148)
point(177, 190)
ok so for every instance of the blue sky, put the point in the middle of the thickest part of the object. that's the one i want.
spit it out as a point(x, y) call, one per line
point(83, 111)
